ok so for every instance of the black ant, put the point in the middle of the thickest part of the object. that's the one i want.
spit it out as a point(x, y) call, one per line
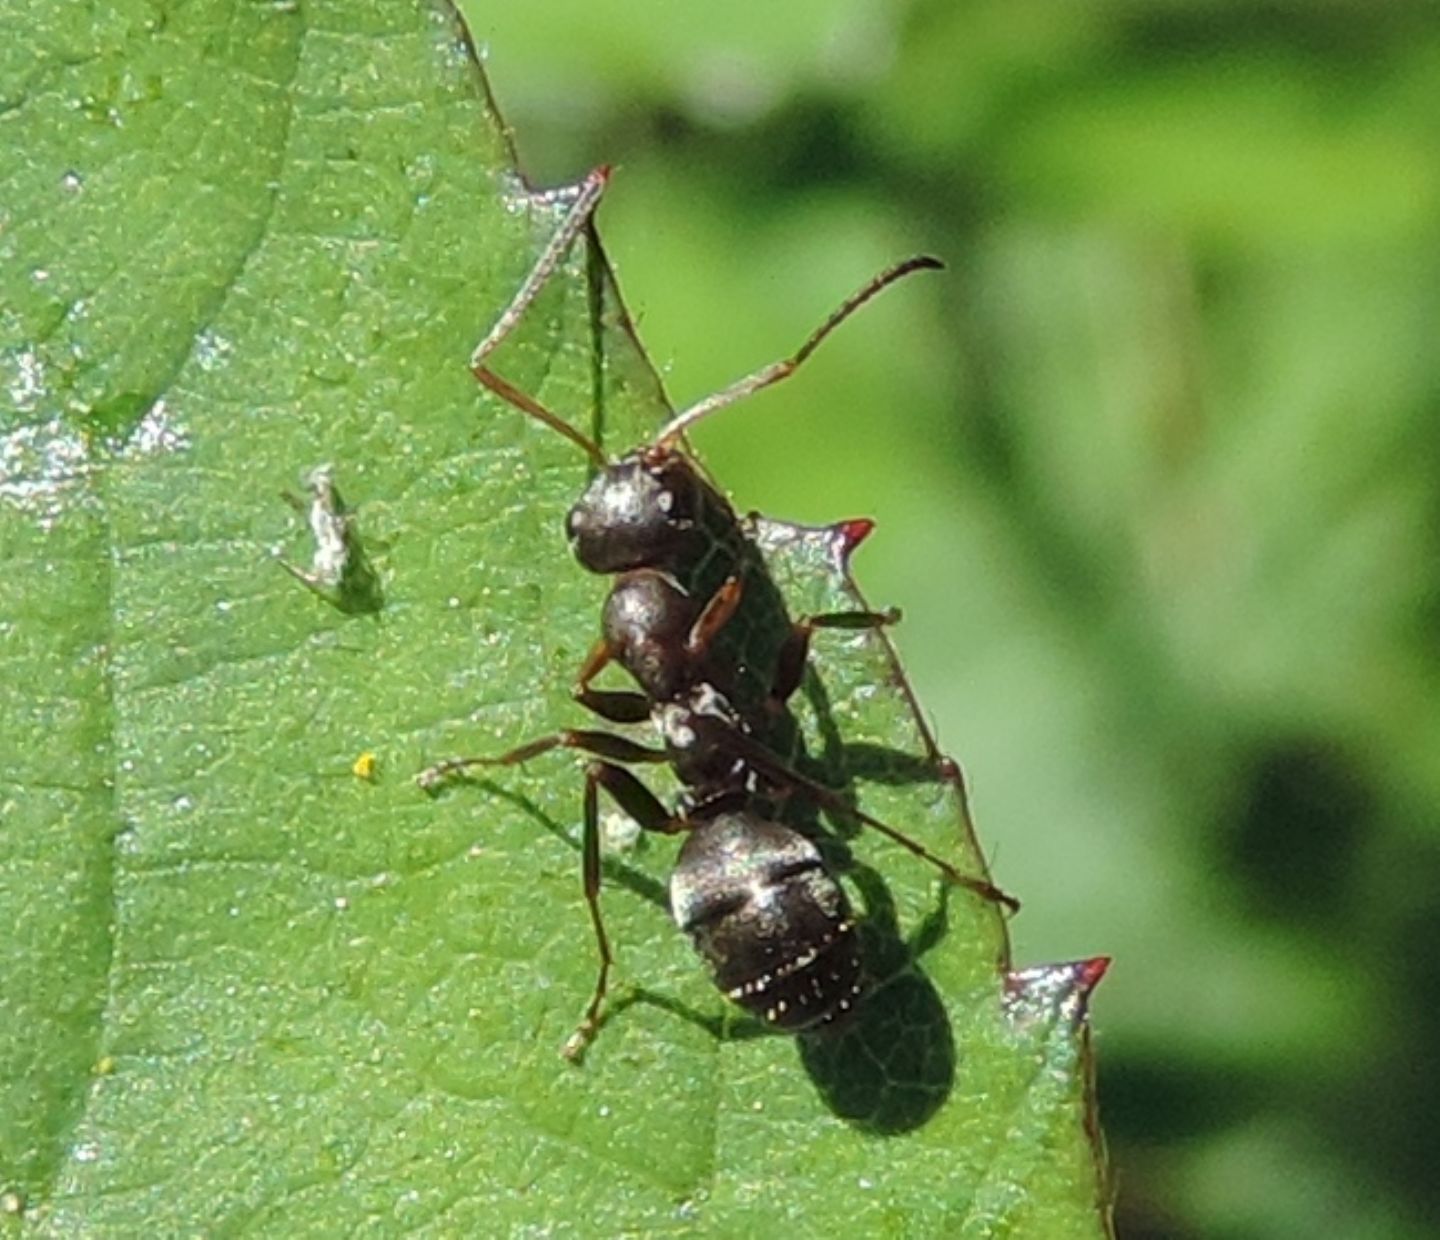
point(754, 895)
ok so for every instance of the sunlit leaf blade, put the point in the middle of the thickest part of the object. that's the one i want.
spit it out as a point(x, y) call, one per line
point(248, 988)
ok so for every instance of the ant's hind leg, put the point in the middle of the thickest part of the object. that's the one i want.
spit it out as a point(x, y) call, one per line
point(642, 805)
point(625, 790)
point(777, 772)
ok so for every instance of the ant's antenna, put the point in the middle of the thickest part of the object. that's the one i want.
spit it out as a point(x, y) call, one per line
point(578, 216)
point(672, 431)
point(507, 391)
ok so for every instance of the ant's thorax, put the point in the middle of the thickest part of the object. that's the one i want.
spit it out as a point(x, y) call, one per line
point(695, 729)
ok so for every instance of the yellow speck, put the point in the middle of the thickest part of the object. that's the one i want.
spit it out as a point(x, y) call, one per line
point(365, 766)
point(105, 1065)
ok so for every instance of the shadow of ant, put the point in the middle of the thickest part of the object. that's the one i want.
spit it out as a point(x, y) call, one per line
point(614, 869)
point(846, 761)
point(889, 1066)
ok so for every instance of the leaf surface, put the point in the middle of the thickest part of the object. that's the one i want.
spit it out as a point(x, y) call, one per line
point(250, 990)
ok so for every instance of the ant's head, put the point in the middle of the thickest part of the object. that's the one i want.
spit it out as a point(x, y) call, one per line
point(646, 509)
point(641, 511)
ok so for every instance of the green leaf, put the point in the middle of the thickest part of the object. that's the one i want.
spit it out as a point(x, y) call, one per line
point(248, 989)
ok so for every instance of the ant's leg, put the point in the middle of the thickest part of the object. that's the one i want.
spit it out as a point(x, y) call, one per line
point(613, 705)
point(578, 216)
point(601, 744)
point(641, 804)
point(638, 802)
point(672, 431)
point(772, 768)
point(632, 707)
point(590, 875)
point(790, 664)
point(715, 615)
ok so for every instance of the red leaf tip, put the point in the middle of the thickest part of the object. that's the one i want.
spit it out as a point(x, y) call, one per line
point(850, 534)
point(1089, 972)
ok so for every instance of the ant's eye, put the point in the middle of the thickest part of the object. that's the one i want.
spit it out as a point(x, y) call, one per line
point(665, 501)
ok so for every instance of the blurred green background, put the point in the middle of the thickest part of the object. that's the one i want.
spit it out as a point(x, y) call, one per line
point(1157, 472)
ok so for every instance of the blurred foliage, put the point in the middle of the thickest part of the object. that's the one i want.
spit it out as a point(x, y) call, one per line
point(1156, 469)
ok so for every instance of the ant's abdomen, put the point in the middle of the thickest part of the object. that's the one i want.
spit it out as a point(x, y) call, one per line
point(771, 920)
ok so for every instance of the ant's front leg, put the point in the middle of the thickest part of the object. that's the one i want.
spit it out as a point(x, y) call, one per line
point(653, 627)
point(713, 617)
point(790, 663)
point(616, 706)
